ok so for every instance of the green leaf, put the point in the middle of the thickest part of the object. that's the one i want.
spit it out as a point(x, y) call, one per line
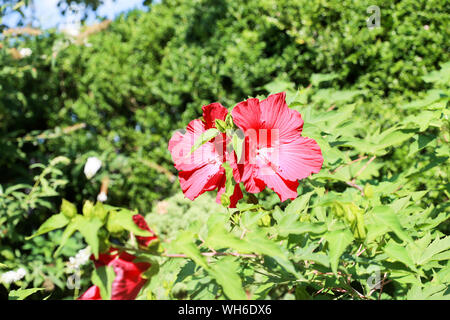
point(184, 243)
point(399, 253)
point(229, 186)
point(89, 228)
point(392, 139)
point(204, 137)
point(54, 222)
point(291, 225)
point(338, 241)
point(254, 242)
point(317, 78)
point(221, 125)
point(307, 253)
point(259, 243)
point(386, 216)
point(436, 247)
point(299, 204)
point(225, 272)
point(103, 278)
point(100, 211)
point(21, 294)
point(123, 220)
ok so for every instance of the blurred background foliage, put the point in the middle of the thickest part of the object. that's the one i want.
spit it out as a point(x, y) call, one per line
point(118, 89)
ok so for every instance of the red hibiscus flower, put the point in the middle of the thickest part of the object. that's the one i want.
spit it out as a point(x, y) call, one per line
point(128, 280)
point(275, 153)
point(142, 224)
point(202, 170)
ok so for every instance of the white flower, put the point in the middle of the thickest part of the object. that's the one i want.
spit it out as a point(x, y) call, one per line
point(81, 258)
point(13, 276)
point(102, 197)
point(25, 52)
point(91, 167)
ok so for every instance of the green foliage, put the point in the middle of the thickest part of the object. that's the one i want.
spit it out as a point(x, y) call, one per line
point(22, 293)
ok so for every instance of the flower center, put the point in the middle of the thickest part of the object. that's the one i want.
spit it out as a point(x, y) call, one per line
point(267, 158)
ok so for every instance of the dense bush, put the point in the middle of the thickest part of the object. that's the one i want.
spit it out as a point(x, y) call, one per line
point(119, 90)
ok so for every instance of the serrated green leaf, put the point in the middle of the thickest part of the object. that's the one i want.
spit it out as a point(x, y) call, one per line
point(123, 220)
point(299, 204)
point(436, 247)
point(89, 228)
point(386, 216)
point(225, 272)
point(338, 241)
point(103, 277)
point(56, 221)
point(399, 253)
point(21, 294)
point(254, 242)
point(184, 243)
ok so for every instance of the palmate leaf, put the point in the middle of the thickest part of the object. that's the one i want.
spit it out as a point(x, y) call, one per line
point(88, 227)
point(21, 294)
point(298, 205)
point(103, 278)
point(254, 242)
point(224, 271)
point(386, 216)
point(338, 241)
point(434, 249)
point(56, 221)
point(123, 220)
point(399, 253)
point(184, 243)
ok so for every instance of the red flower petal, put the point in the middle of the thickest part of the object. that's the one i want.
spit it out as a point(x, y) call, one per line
point(276, 155)
point(93, 293)
point(235, 197)
point(142, 224)
point(213, 111)
point(128, 281)
point(202, 170)
point(300, 158)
